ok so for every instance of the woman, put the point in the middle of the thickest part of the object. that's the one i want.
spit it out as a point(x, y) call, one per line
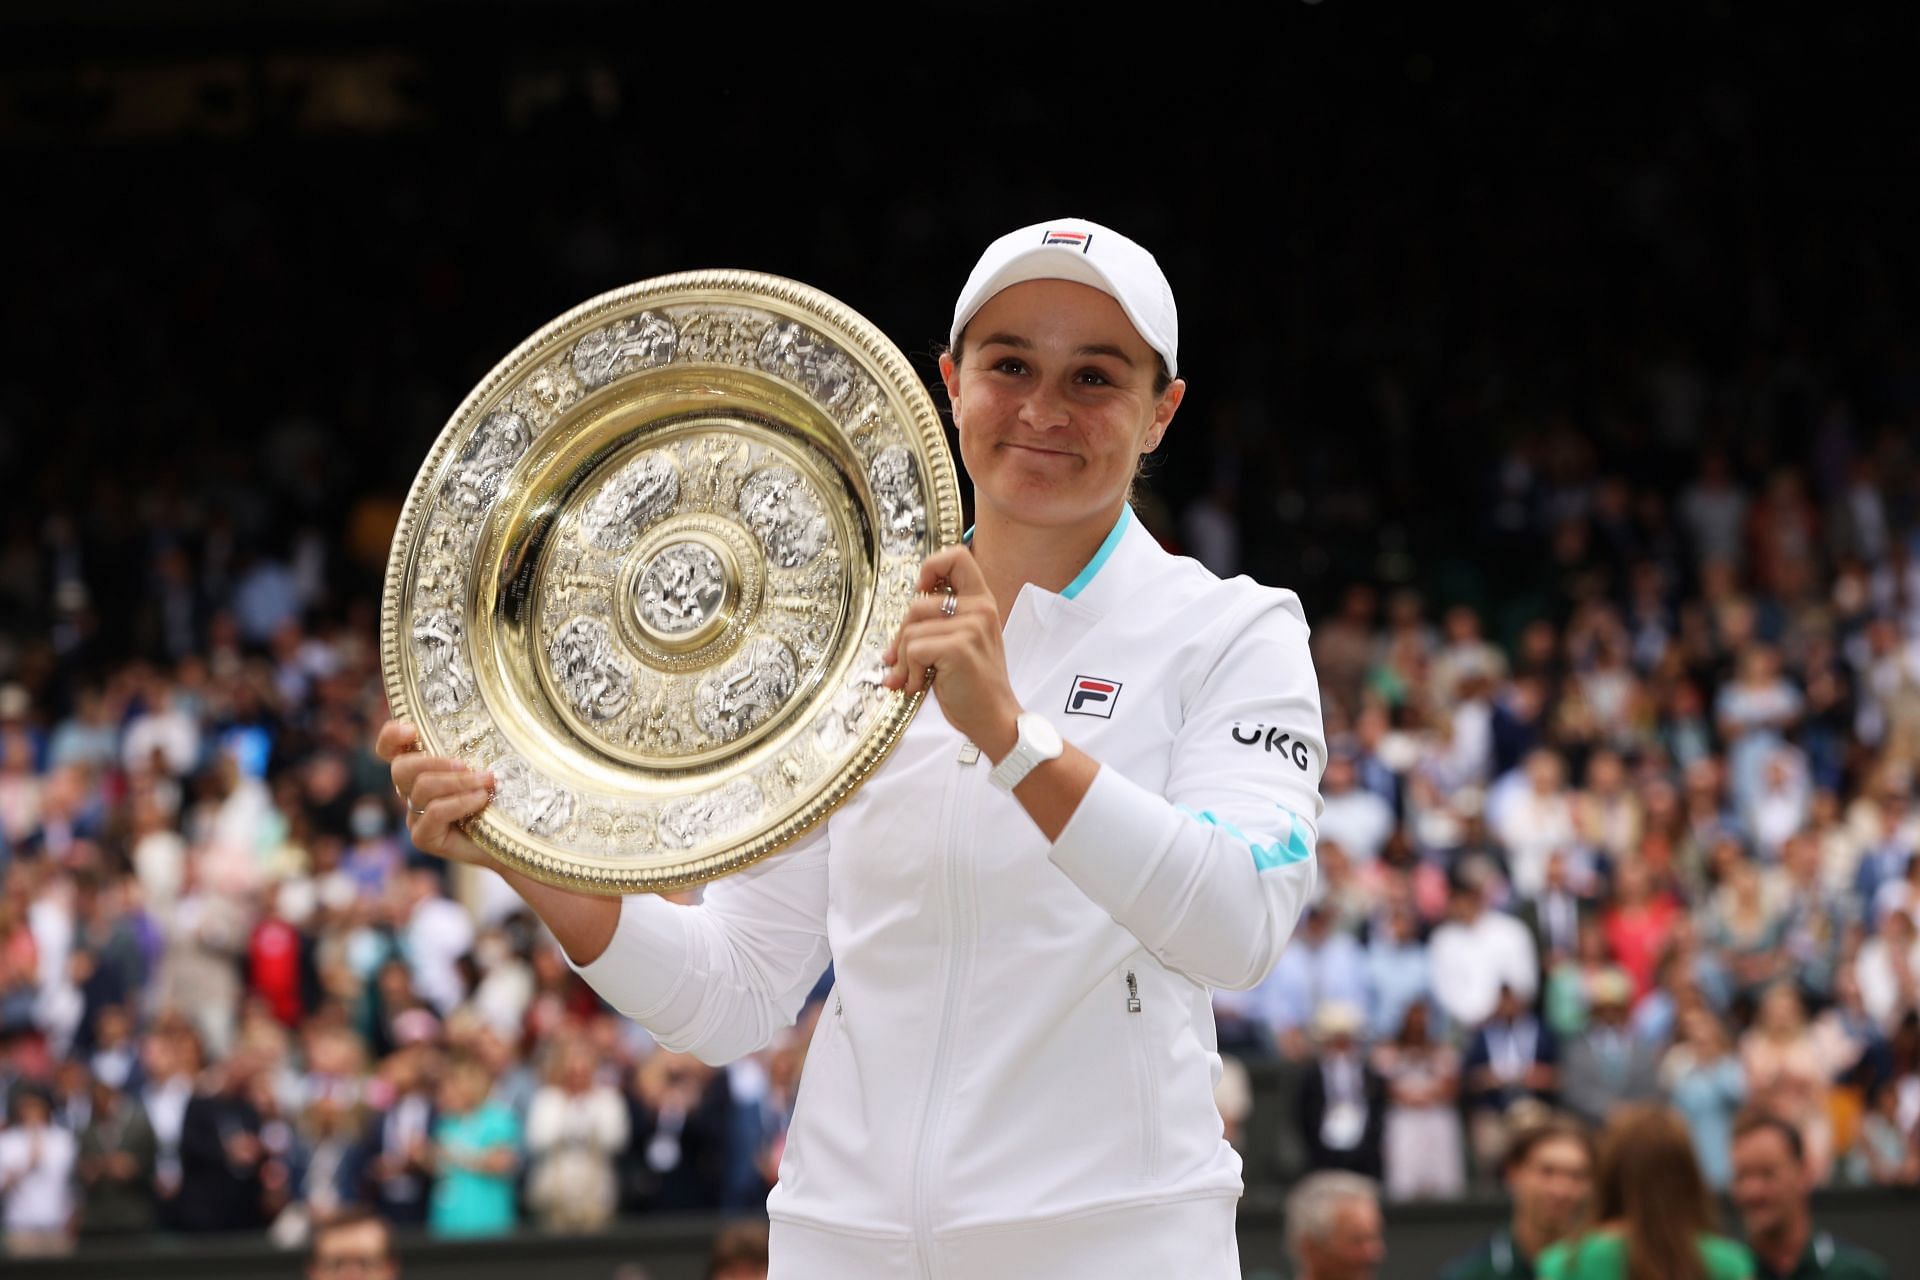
point(1015, 1070)
point(1425, 1147)
point(475, 1155)
point(1786, 1073)
point(1702, 1078)
point(1656, 1216)
point(576, 1127)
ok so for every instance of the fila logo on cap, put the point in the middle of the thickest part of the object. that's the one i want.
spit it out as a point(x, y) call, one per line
point(1068, 239)
point(1093, 696)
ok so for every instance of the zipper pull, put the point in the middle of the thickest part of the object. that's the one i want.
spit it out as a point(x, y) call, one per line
point(1133, 993)
point(968, 753)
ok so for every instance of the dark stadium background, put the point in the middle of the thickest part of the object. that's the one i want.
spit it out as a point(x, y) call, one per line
point(254, 255)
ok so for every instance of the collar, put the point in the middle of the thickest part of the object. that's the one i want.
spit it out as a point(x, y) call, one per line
point(1501, 1252)
point(1093, 586)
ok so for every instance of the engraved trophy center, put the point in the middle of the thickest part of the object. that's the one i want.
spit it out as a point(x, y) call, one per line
point(680, 599)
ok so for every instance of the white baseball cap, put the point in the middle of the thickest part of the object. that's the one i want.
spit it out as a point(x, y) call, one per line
point(1075, 249)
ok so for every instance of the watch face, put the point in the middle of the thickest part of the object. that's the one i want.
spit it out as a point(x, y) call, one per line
point(1039, 731)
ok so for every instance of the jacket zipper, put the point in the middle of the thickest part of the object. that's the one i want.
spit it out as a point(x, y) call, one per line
point(933, 1114)
point(1149, 1089)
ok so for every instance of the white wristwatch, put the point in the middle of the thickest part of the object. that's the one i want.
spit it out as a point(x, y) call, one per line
point(1038, 743)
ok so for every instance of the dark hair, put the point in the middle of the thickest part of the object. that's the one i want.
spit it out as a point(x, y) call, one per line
point(1650, 1183)
point(1759, 1120)
point(1551, 1128)
point(741, 1244)
point(348, 1218)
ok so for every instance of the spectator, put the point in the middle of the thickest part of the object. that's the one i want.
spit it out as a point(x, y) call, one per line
point(1704, 1081)
point(1320, 965)
point(575, 1129)
point(438, 933)
point(1654, 1214)
point(173, 1059)
point(1773, 1189)
point(36, 1170)
point(116, 1163)
point(326, 1178)
point(1558, 916)
point(476, 1154)
point(399, 1142)
point(1639, 924)
point(1786, 1075)
point(1513, 1060)
point(1423, 1146)
point(1606, 1066)
point(1398, 973)
point(1747, 931)
point(1549, 1174)
point(1536, 823)
point(1889, 970)
point(1334, 1228)
point(739, 1253)
point(677, 1154)
point(357, 1242)
point(222, 1156)
point(1356, 819)
point(1482, 952)
point(1883, 1154)
point(1343, 1101)
point(1573, 979)
point(1814, 920)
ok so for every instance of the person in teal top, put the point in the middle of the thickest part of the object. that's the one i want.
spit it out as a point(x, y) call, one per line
point(476, 1153)
point(1655, 1215)
point(1773, 1189)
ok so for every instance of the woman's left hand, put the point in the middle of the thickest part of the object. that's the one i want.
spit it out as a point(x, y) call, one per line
point(960, 650)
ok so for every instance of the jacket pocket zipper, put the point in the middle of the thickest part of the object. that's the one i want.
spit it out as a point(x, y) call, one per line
point(1149, 1117)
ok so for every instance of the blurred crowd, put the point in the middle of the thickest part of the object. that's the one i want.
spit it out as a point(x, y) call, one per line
point(233, 998)
point(1660, 847)
point(1616, 608)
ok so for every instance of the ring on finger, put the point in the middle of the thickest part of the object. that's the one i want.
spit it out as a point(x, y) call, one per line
point(950, 605)
point(418, 813)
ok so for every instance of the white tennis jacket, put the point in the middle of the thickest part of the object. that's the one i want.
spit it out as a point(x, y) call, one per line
point(1014, 1074)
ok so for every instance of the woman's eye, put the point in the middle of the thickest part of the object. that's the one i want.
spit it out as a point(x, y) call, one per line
point(1095, 377)
point(1007, 364)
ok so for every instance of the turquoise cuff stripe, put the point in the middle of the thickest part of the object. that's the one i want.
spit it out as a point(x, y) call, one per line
point(1265, 856)
point(1101, 556)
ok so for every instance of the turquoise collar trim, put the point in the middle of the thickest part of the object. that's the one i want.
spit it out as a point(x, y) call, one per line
point(1101, 556)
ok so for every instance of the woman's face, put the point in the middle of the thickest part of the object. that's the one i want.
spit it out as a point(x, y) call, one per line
point(1054, 398)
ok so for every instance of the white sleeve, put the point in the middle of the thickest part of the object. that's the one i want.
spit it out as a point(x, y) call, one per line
point(1212, 877)
point(719, 979)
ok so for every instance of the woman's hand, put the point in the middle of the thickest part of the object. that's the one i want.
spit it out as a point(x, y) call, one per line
point(955, 649)
point(439, 793)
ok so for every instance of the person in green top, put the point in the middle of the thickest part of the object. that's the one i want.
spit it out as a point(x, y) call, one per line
point(1655, 1214)
point(476, 1150)
point(1773, 1190)
point(1549, 1171)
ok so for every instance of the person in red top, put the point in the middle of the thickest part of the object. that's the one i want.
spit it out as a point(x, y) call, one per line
point(276, 965)
point(1638, 925)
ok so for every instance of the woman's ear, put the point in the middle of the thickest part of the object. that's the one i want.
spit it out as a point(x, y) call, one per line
point(1163, 412)
point(950, 374)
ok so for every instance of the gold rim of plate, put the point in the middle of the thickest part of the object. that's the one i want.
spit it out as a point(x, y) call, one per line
point(646, 571)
